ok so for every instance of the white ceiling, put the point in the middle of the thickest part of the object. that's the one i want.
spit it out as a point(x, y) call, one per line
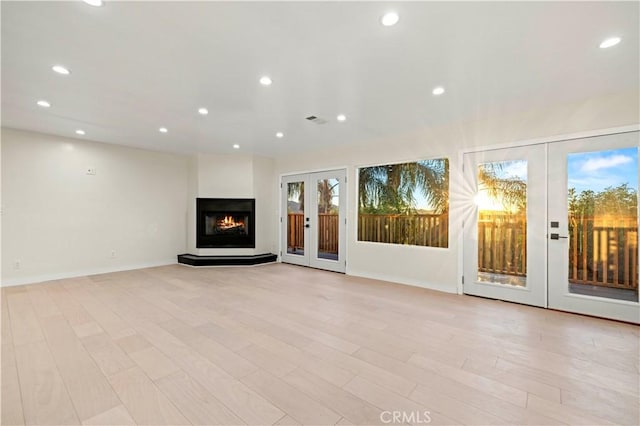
point(137, 66)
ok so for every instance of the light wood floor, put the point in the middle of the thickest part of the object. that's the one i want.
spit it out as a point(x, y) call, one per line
point(280, 344)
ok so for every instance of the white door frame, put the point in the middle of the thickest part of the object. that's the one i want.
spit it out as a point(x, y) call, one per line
point(457, 179)
point(558, 283)
point(626, 306)
point(296, 259)
point(310, 257)
point(535, 291)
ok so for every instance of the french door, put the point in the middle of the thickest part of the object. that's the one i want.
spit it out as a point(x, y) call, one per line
point(314, 220)
point(504, 237)
point(593, 214)
point(556, 225)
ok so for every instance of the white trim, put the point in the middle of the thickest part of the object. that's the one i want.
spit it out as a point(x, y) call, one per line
point(502, 286)
point(281, 215)
point(413, 246)
point(457, 220)
point(345, 168)
point(84, 272)
point(525, 142)
point(601, 299)
point(556, 138)
point(546, 227)
point(393, 163)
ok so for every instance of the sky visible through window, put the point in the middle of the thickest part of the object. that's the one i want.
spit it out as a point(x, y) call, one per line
point(593, 171)
point(598, 170)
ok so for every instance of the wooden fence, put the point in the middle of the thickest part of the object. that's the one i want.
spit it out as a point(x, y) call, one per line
point(603, 251)
point(419, 230)
point(328, 237)
point(422, 230)
point(328, 233)
point(502, 243)
point(295, 231)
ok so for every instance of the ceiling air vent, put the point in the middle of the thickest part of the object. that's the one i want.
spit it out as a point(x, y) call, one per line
point(316, 120)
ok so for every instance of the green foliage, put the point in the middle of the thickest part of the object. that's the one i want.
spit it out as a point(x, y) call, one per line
point(613, 201)
point(326, 191)
point(390, 189)
point(296, 190)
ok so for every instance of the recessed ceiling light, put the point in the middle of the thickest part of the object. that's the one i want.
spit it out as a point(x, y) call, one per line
point(96, 3)
point(279, 135)
point(43, 103)
point(80, 132)
point(203, 111)
point(163, 130)
point(341, 117)
point(610, 42)
point(389, 19)
point(236, 146)
point(61, 70)
point(438, 91)
point(265, 80)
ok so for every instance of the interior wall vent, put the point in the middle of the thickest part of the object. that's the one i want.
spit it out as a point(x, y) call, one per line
point(316, 120)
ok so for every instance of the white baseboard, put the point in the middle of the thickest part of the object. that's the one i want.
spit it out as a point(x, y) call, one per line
point(399, 280)
point(83, 272)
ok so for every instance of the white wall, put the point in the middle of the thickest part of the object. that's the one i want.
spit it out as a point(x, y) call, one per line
point(60, 222)
point(234, 176)
point(439, 268)
point(264, 184)
point(1, 211)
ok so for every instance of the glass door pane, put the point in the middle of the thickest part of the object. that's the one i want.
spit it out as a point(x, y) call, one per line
point(504, 253)
point(328, 218)
point(295, 218)
point(502, 222)
point(295, 208)
point(603, 223)
point(314, 220)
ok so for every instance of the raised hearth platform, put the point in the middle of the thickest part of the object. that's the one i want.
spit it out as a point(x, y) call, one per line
point(195, 260)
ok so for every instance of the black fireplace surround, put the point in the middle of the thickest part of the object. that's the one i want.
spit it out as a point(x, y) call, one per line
point(225, 223)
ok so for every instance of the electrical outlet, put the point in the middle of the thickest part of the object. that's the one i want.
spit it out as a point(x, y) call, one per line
point(16, 264)
point(113, 254)
point(91, 170)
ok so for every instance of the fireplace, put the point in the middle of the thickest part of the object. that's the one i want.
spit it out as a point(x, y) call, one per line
point(225, 223)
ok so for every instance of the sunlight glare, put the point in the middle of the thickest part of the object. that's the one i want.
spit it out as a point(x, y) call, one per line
point(486, 202)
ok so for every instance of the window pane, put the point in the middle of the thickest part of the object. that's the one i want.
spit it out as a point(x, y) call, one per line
point(295, 218)
point(603, 223)
point(405, 203)
point(502, 222)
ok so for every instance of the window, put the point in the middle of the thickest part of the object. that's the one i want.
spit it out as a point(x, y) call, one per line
point(405, 203)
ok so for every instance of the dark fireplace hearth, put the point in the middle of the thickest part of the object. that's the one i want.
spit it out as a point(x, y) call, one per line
point(225, 223)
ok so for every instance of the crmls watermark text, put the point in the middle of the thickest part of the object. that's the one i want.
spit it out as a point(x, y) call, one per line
point(413, 417)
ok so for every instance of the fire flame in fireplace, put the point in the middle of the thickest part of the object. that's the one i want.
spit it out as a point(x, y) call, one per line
point(228, 222)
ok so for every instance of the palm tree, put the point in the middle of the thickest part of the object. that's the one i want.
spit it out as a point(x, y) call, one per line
point(296, 190)
point(511, 190)
point(326, 189)
point(391, 188)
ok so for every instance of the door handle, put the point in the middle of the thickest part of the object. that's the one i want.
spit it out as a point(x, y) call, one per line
point(557, 237)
